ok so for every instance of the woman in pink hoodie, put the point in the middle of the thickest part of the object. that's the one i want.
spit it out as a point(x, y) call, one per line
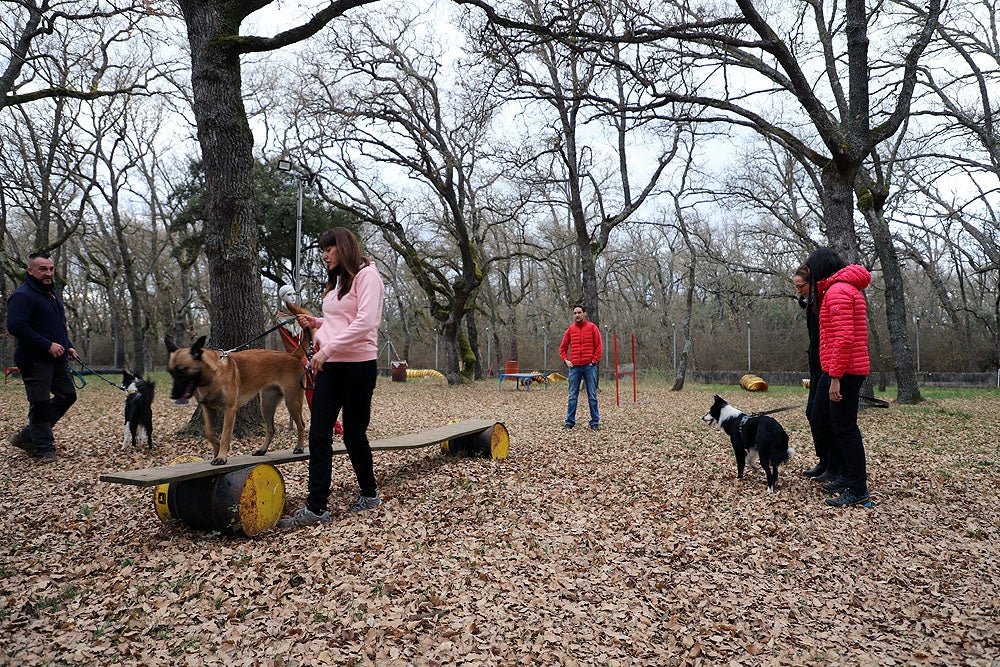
point(843, 355)
point(345, 363)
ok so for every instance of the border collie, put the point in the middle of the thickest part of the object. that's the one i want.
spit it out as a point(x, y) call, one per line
point(138, 409)
point(752, 434)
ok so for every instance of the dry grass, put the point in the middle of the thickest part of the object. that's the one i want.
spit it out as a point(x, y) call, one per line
point(635, 545)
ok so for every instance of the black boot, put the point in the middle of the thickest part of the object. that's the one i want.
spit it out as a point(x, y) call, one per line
point(815, 471)
point(828, 476)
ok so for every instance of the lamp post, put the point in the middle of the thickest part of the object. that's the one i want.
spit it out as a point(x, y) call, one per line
point(607, 337)
point(301, 180)
point(748, 346)
point(488, 350)
point(917, 319)
point(435, 348)
point(545, 348)
point(673, 326)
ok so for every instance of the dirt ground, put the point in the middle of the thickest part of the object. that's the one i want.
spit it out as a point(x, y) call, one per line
point(633, 545)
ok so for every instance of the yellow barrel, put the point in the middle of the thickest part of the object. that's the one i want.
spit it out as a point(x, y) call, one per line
point(493, 442)
point(242, 502)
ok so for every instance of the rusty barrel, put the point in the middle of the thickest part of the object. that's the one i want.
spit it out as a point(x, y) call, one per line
point(242, 502)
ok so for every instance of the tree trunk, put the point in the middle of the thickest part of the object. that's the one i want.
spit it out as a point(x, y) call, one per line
point(908, 391)
point(231, 241)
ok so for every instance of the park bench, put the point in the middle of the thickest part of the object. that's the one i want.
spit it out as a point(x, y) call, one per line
point(246, 494)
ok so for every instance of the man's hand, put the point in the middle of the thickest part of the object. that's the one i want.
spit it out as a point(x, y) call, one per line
point(71, 353)
point(569, 364)
point(56, 350)
point(835, 395)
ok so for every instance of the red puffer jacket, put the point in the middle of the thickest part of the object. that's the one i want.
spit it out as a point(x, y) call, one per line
point(843, 327)
point(583, 344)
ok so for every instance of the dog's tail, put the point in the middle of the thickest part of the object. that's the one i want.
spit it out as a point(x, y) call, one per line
point(783, 452)
point(306, 339)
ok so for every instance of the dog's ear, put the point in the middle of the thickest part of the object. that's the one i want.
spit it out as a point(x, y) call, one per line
point(197, 347)
point(127, 378)
point(171, 347)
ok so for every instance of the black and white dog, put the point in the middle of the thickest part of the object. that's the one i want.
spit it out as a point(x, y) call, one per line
point(752, 434)
point(138, 409)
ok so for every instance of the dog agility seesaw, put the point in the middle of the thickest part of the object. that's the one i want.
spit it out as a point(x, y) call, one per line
point(246, 495)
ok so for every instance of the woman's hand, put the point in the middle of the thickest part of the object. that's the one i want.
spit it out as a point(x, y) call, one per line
point(835, 390)
point(305, 321)
point(316, 363)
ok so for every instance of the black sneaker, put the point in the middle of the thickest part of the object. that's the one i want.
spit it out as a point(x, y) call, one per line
point(47, 457)
point(595, 427)
point(837, 485)
point(568, 426)
point(815, 471)
point(827, 476)
point(850, 499)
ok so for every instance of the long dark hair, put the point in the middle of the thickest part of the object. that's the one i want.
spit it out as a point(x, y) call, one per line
point(822, 262)
point(351, 259)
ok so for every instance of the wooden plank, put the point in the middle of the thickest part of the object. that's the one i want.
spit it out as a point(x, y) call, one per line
point(194, 469)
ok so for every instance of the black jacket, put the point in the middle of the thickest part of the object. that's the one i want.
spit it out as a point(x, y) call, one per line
point(812, 324)
point(36, 317)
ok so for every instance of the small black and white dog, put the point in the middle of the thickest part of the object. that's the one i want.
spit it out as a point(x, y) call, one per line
point(752, 434)
point(138, 409)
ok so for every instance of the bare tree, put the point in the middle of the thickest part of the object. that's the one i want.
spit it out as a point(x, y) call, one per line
point(579, 96)
point(391, 116)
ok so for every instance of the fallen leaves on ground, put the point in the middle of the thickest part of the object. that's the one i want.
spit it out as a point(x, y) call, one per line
point(633, 545)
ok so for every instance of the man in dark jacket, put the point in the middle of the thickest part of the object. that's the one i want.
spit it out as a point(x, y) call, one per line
point(36, 317)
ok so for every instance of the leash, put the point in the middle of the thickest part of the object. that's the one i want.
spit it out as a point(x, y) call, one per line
point(83, 380)
point(258, 337)
point(776, 410)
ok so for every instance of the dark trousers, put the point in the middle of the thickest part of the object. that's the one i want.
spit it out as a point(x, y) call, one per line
point(346, 386)
point(836, 432)
point(50, 391)
point(821, 452)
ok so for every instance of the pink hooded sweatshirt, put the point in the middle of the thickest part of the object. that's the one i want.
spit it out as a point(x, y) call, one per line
point(348, 330)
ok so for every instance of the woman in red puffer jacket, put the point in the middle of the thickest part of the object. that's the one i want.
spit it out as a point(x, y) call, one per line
point(843, 353)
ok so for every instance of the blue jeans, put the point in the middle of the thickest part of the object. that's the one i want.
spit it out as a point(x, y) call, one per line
point(588, 374)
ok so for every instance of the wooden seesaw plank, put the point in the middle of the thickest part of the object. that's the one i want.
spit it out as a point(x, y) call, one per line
point(194, 469)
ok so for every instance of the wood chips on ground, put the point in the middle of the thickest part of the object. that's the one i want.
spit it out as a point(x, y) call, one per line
point(633, 545)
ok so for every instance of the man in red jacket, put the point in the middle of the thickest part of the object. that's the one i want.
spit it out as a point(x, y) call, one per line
point(581, 349)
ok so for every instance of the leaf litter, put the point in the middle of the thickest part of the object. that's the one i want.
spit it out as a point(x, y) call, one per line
point(633, 545)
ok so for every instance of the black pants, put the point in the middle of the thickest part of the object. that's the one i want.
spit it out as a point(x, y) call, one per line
point(346, 386)
point(836, 432)
point(821, 452)
point(50, 391)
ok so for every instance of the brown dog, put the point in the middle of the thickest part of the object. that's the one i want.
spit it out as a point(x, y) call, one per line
point(226, 382)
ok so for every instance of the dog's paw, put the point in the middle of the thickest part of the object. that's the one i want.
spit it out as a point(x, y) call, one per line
point(298, 450)
point(218, 462)
point(260, 452)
